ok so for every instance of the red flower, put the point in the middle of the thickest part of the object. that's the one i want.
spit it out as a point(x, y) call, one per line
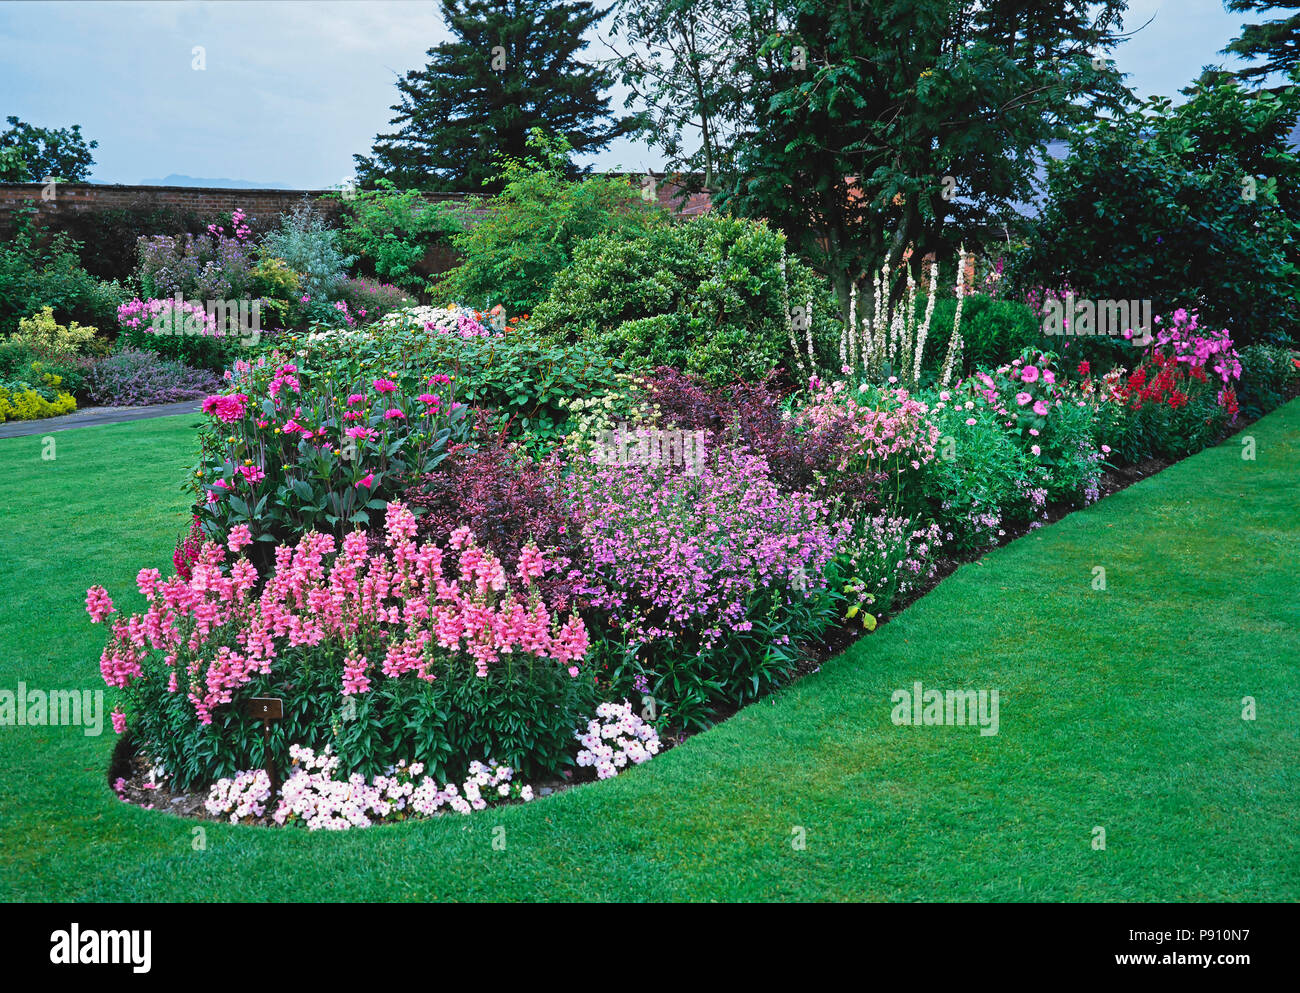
point(1084, 369)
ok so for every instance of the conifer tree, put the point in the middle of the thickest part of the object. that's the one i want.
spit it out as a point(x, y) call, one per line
point(511, 67)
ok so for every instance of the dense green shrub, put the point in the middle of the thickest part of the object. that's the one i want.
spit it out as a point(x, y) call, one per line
point(1164, 432)
point(515, 243)
point(980, 480)
point(390, 232)
point(108, 237)
point(1070, 454)
point(37, 271)
point(706, 296)
point(521, 713)
point(1185, 206)
point(524, 380)
point(368, 300)
point(1268, 377)
point(993, 331)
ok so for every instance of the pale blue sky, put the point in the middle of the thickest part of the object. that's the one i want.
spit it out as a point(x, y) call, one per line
point(293, 89)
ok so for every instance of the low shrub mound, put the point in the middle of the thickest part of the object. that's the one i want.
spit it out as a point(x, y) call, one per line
point(713, 296)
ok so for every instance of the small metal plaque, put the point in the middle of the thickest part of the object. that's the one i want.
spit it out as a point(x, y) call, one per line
point(265, 708)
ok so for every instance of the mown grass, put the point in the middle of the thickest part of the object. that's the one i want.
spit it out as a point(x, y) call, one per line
point(1120, 709)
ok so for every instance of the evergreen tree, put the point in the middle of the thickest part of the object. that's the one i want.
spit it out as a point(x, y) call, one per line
point(1276, 42)
point(512, 67)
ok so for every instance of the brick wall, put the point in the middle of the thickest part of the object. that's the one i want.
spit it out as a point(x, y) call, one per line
point(77, 197)
point(73, 199)
point(262, 204)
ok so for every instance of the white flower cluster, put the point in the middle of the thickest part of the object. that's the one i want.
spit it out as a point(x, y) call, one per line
point(339, 334)
point(244, 796)
point(313, 797)
point(590, 417)
point(452, 319)
point(614, 738)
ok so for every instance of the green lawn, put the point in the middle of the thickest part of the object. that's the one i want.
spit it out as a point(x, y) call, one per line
point(1120, 709)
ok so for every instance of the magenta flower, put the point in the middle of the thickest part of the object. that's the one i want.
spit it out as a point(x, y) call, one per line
point(226, 408)
point(98, 604)
point(240, 536)
point(1029, 374)
point(1040, 408)
point(368, 480)
point(385, 386)
point(1023, 398)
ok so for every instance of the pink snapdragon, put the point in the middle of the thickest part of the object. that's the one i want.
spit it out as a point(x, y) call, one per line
point(408, 606)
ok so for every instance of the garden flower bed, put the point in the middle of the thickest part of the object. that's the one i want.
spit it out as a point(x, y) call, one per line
point(432, 586)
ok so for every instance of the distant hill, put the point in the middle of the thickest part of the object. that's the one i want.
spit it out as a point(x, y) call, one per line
point(228, 184)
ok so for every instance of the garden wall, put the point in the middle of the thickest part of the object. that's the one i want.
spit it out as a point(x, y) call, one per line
point(107, 219)
point(71, 198)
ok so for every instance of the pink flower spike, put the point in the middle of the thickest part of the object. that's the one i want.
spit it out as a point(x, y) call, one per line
point(240, 536)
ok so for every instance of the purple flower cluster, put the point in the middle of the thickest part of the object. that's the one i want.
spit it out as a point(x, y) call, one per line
point(670, 555)
point(202, 267)
point(132, 378)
